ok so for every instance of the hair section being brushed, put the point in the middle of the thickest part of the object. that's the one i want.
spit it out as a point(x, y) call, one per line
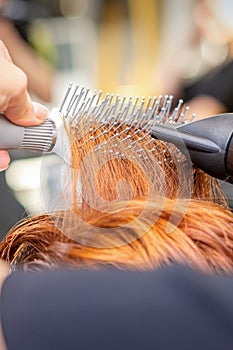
point(133, 203)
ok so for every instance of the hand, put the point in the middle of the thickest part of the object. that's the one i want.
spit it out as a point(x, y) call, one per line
point(15, 101)
point(205, 106)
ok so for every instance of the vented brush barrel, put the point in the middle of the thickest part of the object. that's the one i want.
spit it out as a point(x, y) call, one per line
point(39, 138)
point(209, 142)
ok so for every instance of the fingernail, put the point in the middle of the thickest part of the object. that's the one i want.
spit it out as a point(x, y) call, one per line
point(4, 168)
point(41, 111)
point(4, 164)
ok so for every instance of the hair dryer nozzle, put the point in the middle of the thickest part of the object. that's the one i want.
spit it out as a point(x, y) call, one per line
point(209, 142)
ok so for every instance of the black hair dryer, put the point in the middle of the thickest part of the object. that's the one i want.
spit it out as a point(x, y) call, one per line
point(209, 142)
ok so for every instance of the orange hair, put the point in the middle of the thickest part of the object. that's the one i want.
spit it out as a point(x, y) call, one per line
point(203, 239)
point(139, 206)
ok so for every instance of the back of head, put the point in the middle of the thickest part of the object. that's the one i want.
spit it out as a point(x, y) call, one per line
point(134, 203)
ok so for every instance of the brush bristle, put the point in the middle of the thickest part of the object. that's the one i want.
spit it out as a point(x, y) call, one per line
point(80, 102)
point(111, 120)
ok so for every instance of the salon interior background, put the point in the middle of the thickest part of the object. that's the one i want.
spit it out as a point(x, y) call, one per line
point(130, 47)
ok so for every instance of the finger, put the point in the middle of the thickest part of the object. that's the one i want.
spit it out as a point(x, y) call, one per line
point(15, 101)
point(4, 160)
point(4, 52)
point(40, 111)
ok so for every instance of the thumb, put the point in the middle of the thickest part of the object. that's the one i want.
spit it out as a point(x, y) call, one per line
point(40, 111)
point(16, 102)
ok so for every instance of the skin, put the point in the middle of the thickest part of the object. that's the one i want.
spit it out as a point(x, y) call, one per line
point(40, 73)
point(205, 106)
point(15, 101)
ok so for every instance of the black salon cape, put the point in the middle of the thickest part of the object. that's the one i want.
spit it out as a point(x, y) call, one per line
point(174, 308)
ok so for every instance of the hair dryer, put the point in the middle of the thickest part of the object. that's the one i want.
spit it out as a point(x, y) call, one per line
point(209, 143)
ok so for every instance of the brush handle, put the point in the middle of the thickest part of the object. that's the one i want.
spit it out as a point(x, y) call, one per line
point(39, 138)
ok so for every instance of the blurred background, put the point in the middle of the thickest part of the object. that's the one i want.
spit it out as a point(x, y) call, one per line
point(130, 47)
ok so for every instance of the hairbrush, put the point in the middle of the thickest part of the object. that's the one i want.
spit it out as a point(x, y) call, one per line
point(110, 112)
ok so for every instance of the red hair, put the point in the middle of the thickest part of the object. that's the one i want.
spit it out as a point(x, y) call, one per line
point(141, 206)
point(203, 239)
